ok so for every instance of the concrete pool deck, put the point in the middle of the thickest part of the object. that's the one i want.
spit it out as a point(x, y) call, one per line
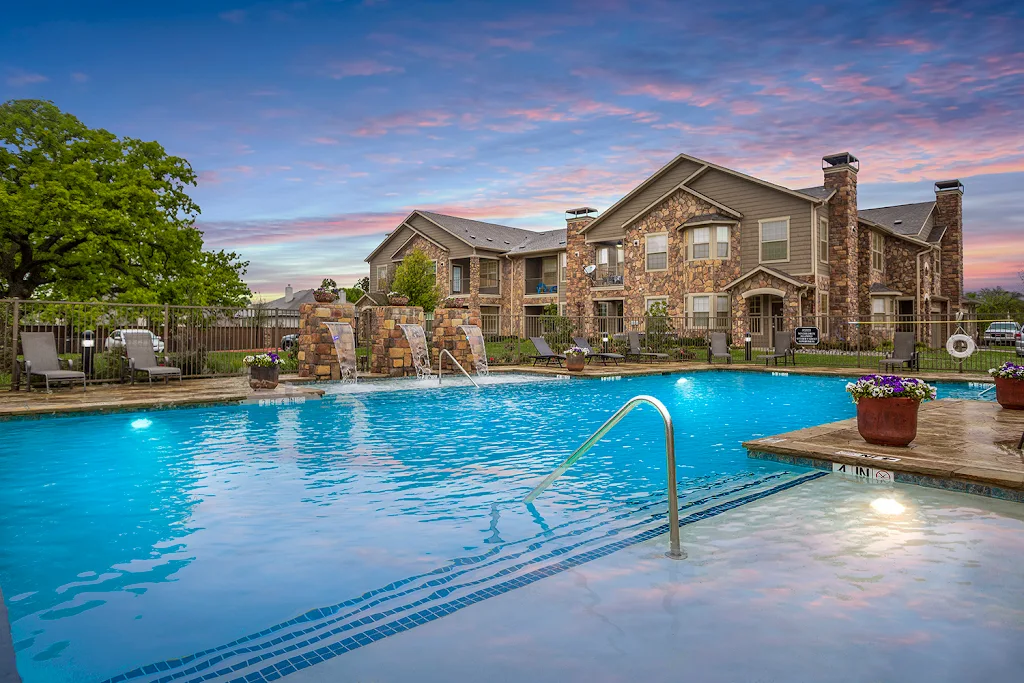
point(962, 445)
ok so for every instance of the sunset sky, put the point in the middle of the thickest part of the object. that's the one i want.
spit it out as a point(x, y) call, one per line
point(315, 127)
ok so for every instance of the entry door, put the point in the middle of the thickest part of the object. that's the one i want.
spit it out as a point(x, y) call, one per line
point(456, 279)
point(776, 313)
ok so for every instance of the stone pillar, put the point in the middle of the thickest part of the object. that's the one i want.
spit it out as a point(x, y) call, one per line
point(391, 353)
point(578, 255)
point(841, 176)
point(949, 201)
point(447, 334)
point(317, 357)
point(474, 283)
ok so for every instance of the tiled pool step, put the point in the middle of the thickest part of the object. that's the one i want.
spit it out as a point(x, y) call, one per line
point(326, 632)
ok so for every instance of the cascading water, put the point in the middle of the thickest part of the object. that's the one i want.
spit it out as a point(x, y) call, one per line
point(418, 344)
point(477, 347)
point(345, 347)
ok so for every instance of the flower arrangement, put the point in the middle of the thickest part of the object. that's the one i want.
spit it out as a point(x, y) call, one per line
point(453, 302)
point(890, 386)
point(262, 360)
point(1008, 370)
point(396, 299)
point(575, 351)
point(327, 291)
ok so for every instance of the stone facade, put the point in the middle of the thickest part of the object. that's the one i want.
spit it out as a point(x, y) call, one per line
point(844, 264)
point(949, 214)
point(741, 314)
point(447, 335)
point(435, 253)
point(316, 354)
point(579, 254)
point(391, 354)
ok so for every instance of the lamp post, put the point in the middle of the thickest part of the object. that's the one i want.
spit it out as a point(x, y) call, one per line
point(747, 355)
point(88, 351)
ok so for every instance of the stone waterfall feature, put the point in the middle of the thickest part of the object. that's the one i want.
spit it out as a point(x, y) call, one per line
point(477, 348)
point(345, 346)
point(418, 345)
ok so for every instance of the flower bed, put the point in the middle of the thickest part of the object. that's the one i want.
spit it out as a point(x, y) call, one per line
point(1009, 385)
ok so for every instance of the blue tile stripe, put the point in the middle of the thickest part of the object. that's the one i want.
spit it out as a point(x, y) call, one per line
point(384, 626)
point(446, 574)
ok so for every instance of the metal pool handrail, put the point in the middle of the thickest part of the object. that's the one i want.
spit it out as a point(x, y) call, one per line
point(675, 551)
point(446, 352)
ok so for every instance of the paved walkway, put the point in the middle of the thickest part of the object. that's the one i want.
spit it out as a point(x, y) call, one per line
point(961, 445)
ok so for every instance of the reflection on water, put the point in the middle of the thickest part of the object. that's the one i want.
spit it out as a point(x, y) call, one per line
point(124, 544)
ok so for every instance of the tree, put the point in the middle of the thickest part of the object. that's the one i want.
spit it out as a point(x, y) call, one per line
point(996, 303)
point(416, 278)
point(87, 215)
point(364, 284)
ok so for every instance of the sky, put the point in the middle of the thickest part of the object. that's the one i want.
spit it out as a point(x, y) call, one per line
point(316, 127)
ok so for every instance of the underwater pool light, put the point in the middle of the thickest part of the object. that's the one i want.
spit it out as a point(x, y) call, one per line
point(887, 506)
point(141, 423)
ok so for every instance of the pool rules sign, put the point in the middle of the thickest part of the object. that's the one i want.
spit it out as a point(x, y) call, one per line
point(806, 336)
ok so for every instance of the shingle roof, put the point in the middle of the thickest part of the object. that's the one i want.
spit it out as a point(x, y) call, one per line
point(300, 296)
point(905, 219)
point(879, 288)
point(710, 217)
point(485, 235)
point(541, 241)
point(819, 192)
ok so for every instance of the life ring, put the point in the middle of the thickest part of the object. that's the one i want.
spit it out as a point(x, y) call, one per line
point(963, 339)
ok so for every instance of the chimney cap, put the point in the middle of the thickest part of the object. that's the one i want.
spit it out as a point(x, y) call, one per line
point(579, 212)
point(945, 185)
point(840, 159)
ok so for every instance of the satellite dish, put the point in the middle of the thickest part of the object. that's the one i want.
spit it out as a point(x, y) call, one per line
point(589, 269)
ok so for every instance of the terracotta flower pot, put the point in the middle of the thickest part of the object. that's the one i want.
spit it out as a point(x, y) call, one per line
point(324, 296)
point(887, 421)
point(575, 363)
point(1010, 393)
point(263, 378)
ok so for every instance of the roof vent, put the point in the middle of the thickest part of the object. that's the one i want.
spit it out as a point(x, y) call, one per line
point(488, 239)
point(506, 242)
point(897, 222)
point(472, 237)
point(841, 159)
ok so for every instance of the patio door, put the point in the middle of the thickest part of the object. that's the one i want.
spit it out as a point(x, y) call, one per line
point(776, 310)
point(456, 279)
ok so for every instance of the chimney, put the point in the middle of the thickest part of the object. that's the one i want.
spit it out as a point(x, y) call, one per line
point(841, 175)
point(949, 214)
point(289, 294)
point(578, 255)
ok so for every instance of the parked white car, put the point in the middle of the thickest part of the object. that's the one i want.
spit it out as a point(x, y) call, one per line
point(117, 338)
point(1002, 334)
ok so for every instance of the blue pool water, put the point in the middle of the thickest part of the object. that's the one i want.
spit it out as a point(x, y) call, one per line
point(130, 539)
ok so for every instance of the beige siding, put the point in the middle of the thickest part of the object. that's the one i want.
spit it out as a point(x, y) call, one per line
point(610, 225)
point(757, 202)
point(392, 243)
point(456, 247)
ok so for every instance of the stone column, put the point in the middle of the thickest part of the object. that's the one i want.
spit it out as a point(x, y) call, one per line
point(317, 357)
point(447, 334)
point(391, 353)
point(474, 284)
point(949, 198)
point(841, 176)
point(578, 255)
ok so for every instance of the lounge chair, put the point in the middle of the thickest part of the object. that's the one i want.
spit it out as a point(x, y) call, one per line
point(603, 356)
point(545, 353)
point(783, 349)
point(40, 351)
point(138, 349)
point(719, 347)
point(903, 352)
point(635, 350)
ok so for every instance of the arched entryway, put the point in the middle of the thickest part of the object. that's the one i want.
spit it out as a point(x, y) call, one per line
point(764, 315)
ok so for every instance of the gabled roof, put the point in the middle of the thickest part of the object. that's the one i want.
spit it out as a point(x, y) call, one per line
point(820, 192)
point(416, 233)
point(372, 299)
point(552, 240)
point(770, 271)
point(708, 219)
point(299, 296)
point(478, 233)
point(903, 219)
point(705, 166)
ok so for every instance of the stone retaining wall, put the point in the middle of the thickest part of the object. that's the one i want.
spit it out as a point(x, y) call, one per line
point(391, 353)
point(447, 334)
point(317, 357)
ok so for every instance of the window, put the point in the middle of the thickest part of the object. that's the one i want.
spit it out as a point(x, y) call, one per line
point(456, 279)
point(722, 311)
point(489, 274)
point(549, 269)
point(754, 314)
point(701, 310)
point(823, 312)
point(823, 240)
point(433, 270)
point(382, 279)
point(774, 240)
point(700, 238)
point(877, 257)
point(655, 301)
point(562, 267)
point(722, 241)
point(657, 252)
point(881, 307)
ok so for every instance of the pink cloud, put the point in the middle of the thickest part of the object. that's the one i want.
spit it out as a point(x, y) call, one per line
point(404, 122)
point(325, 141)
point(361, 67)
point(510, 43)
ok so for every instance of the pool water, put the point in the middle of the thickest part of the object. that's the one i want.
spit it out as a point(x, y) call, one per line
point(130, 539)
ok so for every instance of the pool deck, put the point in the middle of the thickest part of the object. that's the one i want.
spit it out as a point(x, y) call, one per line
point(961, 445)
point(208, 391)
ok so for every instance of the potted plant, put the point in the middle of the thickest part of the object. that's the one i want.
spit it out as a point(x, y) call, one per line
point(453, 302)
point(887, 407)
point(1009, 385)
point(575, 358)
point(263, 370)
point(327, 292)
point(396, 299)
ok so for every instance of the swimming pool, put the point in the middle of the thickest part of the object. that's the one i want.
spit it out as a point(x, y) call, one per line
point(134, 539)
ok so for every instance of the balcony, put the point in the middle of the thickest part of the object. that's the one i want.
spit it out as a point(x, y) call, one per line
point(540, 285)
point(609, 275)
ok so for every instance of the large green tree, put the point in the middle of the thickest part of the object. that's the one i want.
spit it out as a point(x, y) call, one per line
point(87, 215)
point(416, 278)
point(996, 303)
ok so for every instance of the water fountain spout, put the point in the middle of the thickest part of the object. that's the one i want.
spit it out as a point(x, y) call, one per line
point(418, 345)
point(477, 348)
point(345, 347)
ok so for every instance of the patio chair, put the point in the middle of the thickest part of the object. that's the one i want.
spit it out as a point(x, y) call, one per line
point(545, 353)
point(719, 347)
point(903, 353)
point(635, 350)
point(603, 356)
point(138, 349)
point(40, 351)
point(783, 349)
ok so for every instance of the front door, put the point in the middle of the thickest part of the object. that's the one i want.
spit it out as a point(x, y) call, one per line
point(775, 306)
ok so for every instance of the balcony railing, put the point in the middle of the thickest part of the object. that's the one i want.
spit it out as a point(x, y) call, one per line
point(606, 276)
point(460, 286)
point(541, 285)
